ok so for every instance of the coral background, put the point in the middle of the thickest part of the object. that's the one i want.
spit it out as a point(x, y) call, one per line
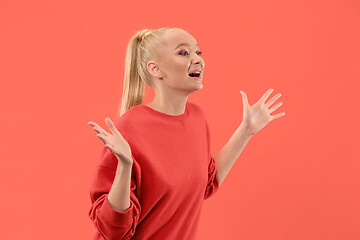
point(62, 65)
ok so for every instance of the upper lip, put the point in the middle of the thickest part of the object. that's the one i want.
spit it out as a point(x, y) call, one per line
point(197, 69)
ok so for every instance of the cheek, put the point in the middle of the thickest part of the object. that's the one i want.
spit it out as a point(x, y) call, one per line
point(178, 70)
point(180, 64)
point(183, 68)
point(176, 67)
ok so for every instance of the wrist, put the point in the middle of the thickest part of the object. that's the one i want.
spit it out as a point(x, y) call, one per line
point(246, 130)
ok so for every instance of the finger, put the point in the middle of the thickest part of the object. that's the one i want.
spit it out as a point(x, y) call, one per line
point(102, 138)
point(91, 123)
point(244, 98)
point(277, 116)
point(111, 126)
point(272, 100)
point(109, 146)
point(98, 130)
point(97, 126)
point(266, 95)
point(275, 107)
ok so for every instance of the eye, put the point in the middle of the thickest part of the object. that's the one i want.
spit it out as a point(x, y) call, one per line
point(182, 52)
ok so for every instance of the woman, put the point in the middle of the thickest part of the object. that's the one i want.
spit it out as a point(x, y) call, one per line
point(156, 168)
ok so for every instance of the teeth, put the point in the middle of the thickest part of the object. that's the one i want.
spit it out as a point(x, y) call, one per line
point(195, 72)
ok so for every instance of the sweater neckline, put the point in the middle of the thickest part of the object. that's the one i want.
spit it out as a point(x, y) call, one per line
point(164, 115)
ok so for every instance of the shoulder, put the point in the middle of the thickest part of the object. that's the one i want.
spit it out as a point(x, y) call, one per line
point(200, 114)
point(195, 108)
point(130, 119)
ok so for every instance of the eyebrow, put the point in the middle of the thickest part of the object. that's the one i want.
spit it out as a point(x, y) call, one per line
point(181, 44)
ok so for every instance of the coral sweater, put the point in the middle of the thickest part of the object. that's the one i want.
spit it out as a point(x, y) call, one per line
point(173, 172)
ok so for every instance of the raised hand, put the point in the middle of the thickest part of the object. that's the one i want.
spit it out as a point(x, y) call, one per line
point(115, 142)
point(257, 116)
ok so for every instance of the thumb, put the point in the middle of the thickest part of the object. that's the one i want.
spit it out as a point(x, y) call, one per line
point(244, 98)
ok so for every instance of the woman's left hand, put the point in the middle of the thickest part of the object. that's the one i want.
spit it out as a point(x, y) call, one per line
point(257, 116)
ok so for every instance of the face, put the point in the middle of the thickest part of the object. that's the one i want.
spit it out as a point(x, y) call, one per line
point(177, 61)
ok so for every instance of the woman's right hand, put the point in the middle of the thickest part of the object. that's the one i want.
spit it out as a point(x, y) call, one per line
point(115, 142)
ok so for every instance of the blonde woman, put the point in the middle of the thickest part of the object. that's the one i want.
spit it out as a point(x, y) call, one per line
point(156, 168)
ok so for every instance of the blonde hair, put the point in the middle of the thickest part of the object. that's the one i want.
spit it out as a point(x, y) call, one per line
point(140, 49)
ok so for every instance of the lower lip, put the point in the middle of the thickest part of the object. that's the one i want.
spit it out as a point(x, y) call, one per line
point(196, 78)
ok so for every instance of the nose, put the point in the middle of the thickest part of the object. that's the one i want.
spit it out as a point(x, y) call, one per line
point(198, 60)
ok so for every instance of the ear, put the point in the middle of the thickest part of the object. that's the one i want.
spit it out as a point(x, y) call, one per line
point(154, 70)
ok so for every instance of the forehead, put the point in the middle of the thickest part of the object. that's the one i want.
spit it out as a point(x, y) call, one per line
point(175, 37)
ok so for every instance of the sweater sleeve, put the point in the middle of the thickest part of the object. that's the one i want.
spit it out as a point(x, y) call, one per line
point(212, 184)
point(109, 223)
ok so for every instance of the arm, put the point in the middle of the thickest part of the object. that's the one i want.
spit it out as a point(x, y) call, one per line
point(112, 189)
point(255, 118)
point(119, 195)
point(228, 154)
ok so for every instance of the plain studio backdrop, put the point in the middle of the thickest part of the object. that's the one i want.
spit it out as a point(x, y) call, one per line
point(62, 65)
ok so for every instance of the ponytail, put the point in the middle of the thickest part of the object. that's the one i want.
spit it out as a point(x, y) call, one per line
point(141, 49)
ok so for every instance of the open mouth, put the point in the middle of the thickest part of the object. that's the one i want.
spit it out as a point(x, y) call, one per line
point(194, 74)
